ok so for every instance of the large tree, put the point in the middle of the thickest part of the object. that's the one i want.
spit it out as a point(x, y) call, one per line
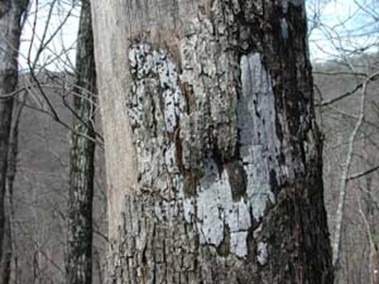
point(79, 256)
point(11, 19)
point(212, 150)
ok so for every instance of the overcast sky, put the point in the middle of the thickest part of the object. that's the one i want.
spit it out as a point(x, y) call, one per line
point(341, 27)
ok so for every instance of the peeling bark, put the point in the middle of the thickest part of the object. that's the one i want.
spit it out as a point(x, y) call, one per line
point(212, 150)
point(79, 255)
point(11, 13)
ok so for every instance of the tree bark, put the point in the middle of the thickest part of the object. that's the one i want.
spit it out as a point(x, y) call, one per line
point(213, 154)
point(11, 14)
point(79, 257)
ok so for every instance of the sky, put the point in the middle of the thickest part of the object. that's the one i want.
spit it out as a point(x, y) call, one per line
point(52, 45)
point(337, 27)
point(343, 27)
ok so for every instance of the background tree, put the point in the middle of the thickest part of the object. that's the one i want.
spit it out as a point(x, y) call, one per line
point(213, 154)
point(79, 256)
point(41, 186)
point(11, 19)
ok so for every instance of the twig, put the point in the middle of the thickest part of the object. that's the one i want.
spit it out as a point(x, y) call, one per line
point(372, 77)
point(363, 173)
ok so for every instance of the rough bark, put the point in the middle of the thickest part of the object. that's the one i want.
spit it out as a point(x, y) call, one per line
point(212, 151)
point(79, 256)
point(11, 13)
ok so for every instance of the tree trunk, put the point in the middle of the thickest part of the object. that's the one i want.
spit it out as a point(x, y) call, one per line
point(10, 177)
point(212, 151)
point(79, 257)
point(11, 13)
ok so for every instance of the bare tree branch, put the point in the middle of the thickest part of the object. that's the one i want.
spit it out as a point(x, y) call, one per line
point(363, 173)
point(372, 77)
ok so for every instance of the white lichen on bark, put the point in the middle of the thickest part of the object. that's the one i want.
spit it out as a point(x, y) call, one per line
point(262, 253)
point(149, 64)
point(284, 28)
point(259, 150)
point(216, 209)
point(165, 105)
point(154, 106)
point(260, 146)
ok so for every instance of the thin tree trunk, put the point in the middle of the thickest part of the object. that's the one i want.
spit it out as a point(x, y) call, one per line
point(79, 257)
point(10, 176)
point(11, 13)
point(212, 151)
point(344, 181)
